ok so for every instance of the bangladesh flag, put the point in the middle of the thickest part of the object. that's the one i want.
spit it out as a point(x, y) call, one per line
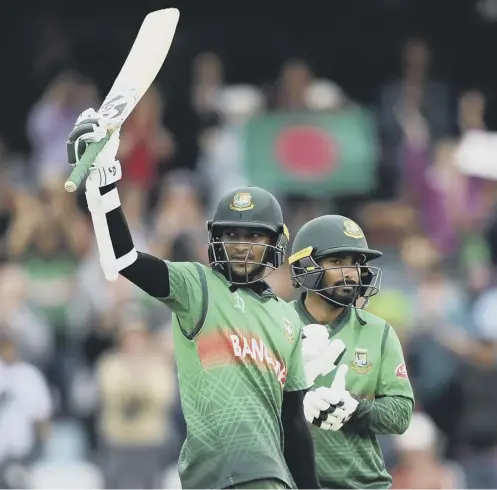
point(312, 154)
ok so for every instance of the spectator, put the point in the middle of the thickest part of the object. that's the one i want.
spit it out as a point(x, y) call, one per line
point(137, 391)
point(52, 118)
point(25, 412)
point(419, 464)
point(146, 143)
point(290, 90)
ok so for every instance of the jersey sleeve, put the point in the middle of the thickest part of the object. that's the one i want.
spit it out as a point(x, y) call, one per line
point(187, 294)
point(393, 379)
point(295, 380)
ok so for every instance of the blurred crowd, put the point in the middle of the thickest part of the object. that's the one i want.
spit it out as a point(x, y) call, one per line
point(94, 359)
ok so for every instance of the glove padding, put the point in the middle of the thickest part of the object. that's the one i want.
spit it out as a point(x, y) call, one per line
point(90, 128)
point(320, 354)
point(330, 408)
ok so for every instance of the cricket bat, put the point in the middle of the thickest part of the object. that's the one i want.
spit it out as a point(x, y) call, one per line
point(144, 61)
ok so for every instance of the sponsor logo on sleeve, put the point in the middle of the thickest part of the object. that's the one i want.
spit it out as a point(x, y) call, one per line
point(401, 371)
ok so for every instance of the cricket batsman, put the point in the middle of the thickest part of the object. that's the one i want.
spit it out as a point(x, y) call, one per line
point(238, 347)
point(370, 392)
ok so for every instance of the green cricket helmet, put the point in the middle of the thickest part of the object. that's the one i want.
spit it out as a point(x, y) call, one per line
point(252, 208)
point(330, 236)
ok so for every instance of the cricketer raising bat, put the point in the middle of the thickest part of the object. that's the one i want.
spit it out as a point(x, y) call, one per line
point(144, 61)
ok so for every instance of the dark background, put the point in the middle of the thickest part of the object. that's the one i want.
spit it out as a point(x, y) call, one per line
point(356, 43)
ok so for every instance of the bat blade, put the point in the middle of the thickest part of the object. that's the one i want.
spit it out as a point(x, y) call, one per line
point(144, 61)
point(151, 46)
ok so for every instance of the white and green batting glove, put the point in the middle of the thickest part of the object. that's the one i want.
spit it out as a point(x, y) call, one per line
point(330, 408)
point(321, 355)
point(89, 128)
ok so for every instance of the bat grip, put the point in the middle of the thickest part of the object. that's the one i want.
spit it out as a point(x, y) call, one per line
point(82, 169)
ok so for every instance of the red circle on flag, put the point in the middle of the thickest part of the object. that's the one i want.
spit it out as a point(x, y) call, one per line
point(306, 150)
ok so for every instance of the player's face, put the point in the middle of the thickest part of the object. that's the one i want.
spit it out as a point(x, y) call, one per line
point(247, 247)
point(343, 274)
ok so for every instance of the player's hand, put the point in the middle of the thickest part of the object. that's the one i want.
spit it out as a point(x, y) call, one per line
point(330, 408)
point(321, 355)
point(90, 128)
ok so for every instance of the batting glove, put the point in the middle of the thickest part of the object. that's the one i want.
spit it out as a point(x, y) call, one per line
point(90, 128)
point(330, 408)
point(321, 355)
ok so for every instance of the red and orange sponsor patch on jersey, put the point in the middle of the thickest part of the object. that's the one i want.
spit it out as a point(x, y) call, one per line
point(226, 347)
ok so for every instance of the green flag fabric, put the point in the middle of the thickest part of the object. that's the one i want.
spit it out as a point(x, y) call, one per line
point(311, 153)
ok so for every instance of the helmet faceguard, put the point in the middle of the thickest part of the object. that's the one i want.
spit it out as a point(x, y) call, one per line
point(308, 274)
point(334, 236)
point(272, 257)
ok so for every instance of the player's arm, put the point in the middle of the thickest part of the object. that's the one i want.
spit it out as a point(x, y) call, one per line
point(388, 415)
point(391, 411)
point(335, 408)
point(146, 271)
point(298, 444)
point(180, 285)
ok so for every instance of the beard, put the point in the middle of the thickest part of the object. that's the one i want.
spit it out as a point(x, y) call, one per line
point(245, 273)
point(343, 294)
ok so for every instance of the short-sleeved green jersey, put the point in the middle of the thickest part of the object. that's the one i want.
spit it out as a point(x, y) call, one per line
point(347, 459)
point(236, 352)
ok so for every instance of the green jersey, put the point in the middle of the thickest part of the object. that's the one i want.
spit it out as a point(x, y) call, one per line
point(236, 351)
point(377, 375)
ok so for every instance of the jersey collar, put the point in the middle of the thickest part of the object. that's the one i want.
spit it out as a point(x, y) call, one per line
point(262, 289)
point(335, 327)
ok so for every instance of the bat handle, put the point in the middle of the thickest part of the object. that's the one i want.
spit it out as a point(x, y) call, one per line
point(82, 169)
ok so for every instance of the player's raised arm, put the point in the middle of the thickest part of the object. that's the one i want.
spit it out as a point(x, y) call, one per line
point(178, 285)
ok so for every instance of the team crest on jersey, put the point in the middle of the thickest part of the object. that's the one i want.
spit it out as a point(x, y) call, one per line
point(361, 363)
point(242, 201)
point(289, 330)
point(352, 229)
